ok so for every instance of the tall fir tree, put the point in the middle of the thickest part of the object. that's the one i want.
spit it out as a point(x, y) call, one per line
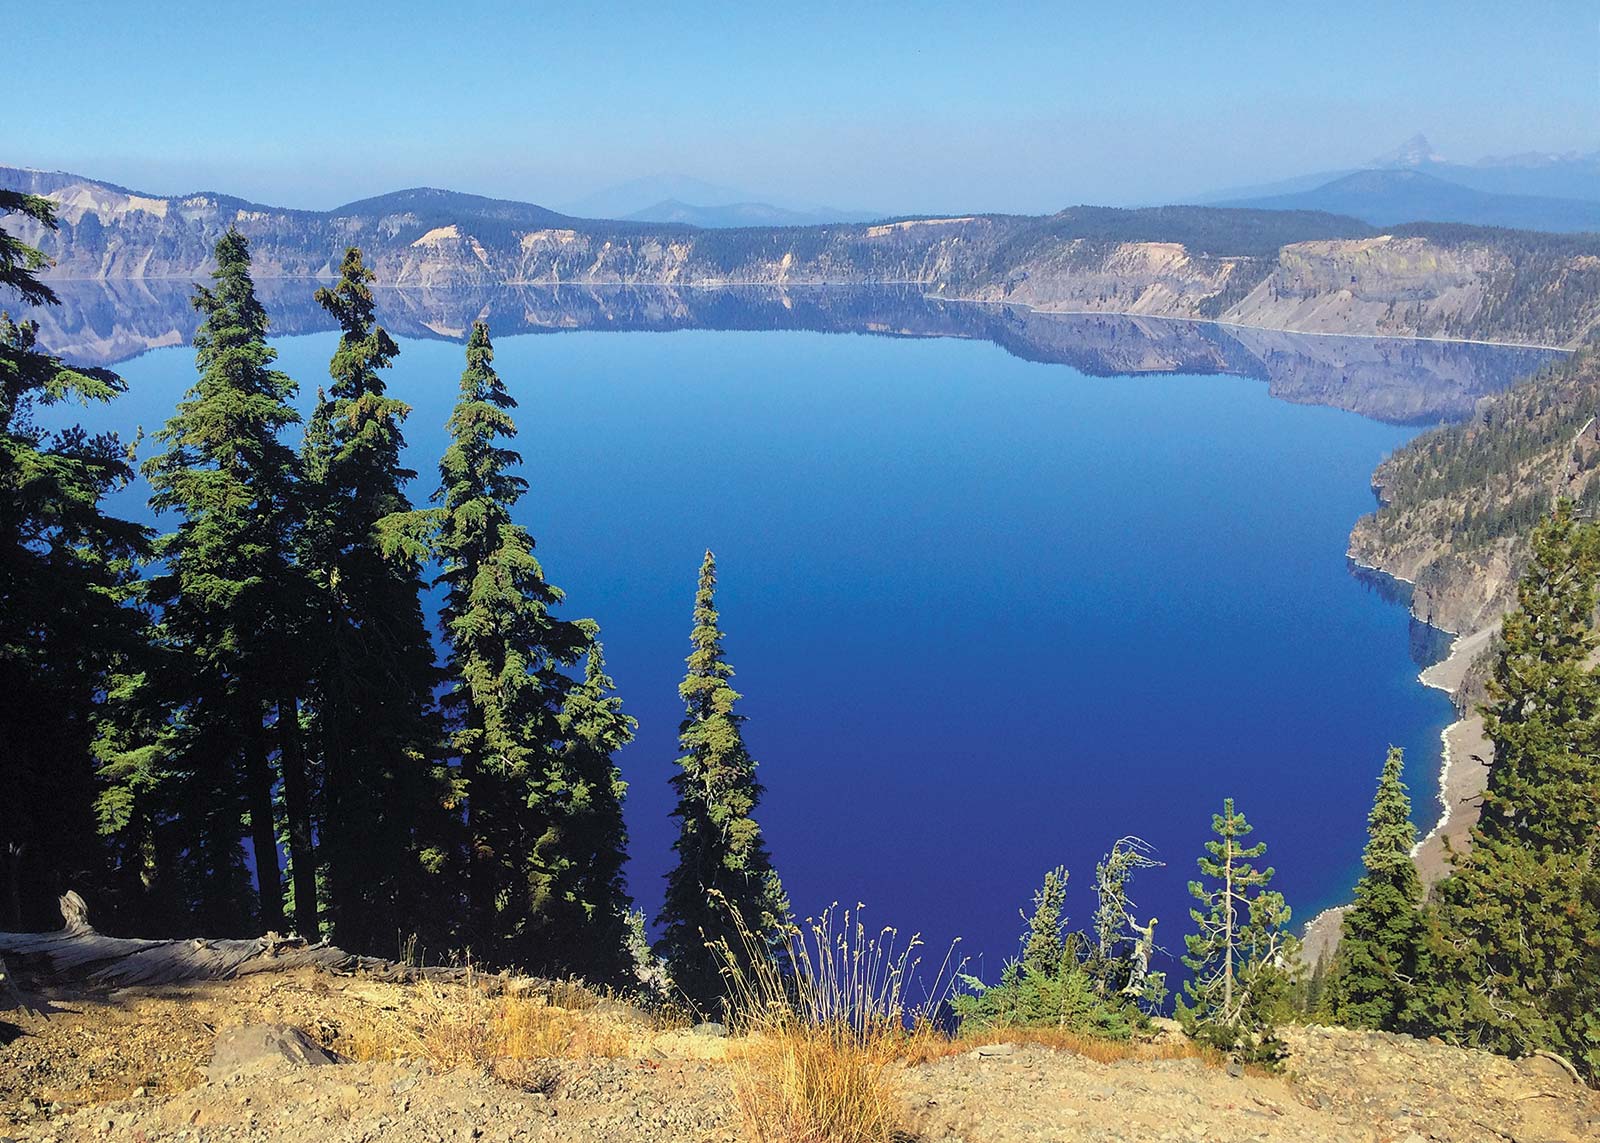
point(508, 654)
point(383, 817)
point(223, 590)
point(723, 897)
point(1241, 952)
point(69, 625)
point(1512, 938)
point(1380, 957)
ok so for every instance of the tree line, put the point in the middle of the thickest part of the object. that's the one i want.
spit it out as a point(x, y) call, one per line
point(241, 724)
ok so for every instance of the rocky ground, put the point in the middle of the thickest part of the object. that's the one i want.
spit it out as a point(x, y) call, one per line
point(139, 1065)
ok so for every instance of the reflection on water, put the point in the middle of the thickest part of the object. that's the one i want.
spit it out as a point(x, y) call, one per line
point(1399, 380)
point(1429, 644)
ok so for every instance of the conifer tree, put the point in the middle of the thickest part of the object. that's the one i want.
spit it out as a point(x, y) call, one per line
point(1045, 943)
point(1544, 702)
point(724, 880)
point(382, 822)
point(1241, 951)
point(507, 657)
point(1380, 954)
point(1119, 959)
point(581, 901)
point(1054, 982)
point(224, 588)
point(68, 626)
point(1513, 936)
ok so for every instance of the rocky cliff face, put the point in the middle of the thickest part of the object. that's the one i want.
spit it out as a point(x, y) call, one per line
point(1458, 504)
point(1277, 270)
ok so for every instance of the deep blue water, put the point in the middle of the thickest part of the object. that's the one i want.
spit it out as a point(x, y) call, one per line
point(987, 615)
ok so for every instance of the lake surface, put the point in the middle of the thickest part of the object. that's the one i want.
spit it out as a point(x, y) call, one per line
point(988, 613)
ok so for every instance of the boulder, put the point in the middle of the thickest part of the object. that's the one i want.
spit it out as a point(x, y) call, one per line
point(1549, 1068)
point(252, 1048)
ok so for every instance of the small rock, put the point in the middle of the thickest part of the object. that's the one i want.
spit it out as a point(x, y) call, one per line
point(710, 1028)
point(1235, 1069)
point(1002, 1049)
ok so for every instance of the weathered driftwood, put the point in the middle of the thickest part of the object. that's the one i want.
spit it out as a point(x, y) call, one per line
point(78, 953)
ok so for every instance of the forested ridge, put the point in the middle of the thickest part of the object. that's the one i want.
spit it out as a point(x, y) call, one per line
point(1459, 503)
point(241, 724)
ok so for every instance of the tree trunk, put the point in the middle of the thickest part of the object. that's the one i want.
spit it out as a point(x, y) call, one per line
point(334, 825)
point(263, 835)
point(1227, 929)
point(479, 887)
point(297, 807)
point(13, 860)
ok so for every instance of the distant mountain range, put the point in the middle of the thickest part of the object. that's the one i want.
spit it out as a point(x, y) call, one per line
point(693, 202)
point(1413, 183)
point(743, 214)
point(1309, 271)
point(1391, 197)
point(1574, 174)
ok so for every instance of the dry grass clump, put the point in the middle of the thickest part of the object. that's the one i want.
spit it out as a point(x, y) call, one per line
point(826, 1021)
point(926, 1048)
point(467, 1025)
point(799, 1083)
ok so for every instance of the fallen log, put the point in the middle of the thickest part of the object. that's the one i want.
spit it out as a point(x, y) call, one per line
point(77, 952)
point(11, 998)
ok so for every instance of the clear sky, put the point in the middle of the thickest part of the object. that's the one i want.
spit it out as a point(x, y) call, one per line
point(874, 104)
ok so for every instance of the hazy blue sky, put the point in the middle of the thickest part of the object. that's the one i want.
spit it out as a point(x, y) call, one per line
point(884, 105)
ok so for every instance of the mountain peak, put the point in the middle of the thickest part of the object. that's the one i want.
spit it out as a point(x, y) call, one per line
point(1414, 152)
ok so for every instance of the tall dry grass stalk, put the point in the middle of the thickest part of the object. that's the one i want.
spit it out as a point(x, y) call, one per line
point(829, 1019)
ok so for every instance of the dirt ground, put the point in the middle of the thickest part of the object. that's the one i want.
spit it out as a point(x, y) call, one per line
point(132, 1065)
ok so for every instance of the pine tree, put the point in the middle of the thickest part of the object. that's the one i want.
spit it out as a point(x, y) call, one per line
point(507, 657)
point(1512, 939)
point(383, 819)
point(1053, 983)
point(581, 901)
point(1544, 702)
point(724, 881)
point(1045, 944)
point(1241, 952)
point(224, 588)
point(69, 626)
point(1379, 957)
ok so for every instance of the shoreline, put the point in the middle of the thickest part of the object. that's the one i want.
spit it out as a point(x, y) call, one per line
point(1459, 784)
point(1458, 789)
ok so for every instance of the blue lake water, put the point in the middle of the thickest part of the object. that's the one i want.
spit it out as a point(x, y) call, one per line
point(988, 615)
